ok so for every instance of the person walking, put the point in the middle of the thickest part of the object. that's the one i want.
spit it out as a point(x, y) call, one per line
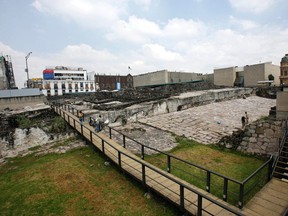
point(81, 117)
point(243, 121)
point(246, 118)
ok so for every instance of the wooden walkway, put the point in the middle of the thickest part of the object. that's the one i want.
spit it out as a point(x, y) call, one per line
point(188, 197)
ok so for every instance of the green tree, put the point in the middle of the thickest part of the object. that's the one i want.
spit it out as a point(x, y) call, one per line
point(270, 77)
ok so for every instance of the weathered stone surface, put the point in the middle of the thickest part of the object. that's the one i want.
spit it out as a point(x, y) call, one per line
point(269, 133)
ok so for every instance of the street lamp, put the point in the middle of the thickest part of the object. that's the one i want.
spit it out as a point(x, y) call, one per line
point(26, 70)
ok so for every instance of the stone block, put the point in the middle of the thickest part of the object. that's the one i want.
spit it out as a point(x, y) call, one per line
point(252, 140)
point(244, 143)
point(269, 133)
point(266, 125)
point(260, 130)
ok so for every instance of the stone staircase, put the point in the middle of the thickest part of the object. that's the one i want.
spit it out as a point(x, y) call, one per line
point(281, 169)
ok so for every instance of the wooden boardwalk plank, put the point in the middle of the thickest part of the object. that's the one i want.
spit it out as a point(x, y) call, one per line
point(158, 180)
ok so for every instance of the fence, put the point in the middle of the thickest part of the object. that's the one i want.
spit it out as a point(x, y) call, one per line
point(234, 191)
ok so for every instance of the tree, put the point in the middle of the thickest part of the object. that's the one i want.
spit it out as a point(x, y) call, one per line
point(270, 77)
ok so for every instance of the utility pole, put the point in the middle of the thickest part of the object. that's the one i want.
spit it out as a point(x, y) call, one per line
point(26, 70)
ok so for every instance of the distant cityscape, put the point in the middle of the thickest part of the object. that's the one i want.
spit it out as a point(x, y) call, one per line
point(60, 80)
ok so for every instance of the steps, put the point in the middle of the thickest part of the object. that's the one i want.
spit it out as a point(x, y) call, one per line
point(281, 169)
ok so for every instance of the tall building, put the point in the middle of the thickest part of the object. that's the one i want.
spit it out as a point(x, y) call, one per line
point(284, 70)
point(61, 80)
point(7, 80)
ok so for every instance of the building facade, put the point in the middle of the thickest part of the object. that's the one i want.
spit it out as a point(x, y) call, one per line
point(165, 77)
point(284, 70)
point(7, 80)
point(247, 76)
point(113, 82)
point(61, 80)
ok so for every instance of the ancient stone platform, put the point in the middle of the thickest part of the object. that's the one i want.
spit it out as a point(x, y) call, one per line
point(209, 123)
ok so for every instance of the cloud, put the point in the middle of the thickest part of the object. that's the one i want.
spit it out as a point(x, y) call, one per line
point(158, 52)
point(253, 6)
point(244, 24)
point(144, 3)
point(135, 30)
point(181, 28)
point(87, 13)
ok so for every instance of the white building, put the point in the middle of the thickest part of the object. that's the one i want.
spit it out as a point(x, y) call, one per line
point(61, 80)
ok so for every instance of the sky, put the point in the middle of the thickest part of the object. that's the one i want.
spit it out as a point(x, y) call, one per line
point(109, 36)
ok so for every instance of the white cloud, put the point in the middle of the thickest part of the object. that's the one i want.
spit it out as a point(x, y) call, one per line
point(135, 30)
point(158, 52)
point(181, 28)
point(254, 6)
point(244, 24)
point(144, 3)
point(87, 13)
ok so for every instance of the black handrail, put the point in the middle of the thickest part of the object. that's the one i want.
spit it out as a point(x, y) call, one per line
point(145, 164)
point(281, 144)
point(208, 172)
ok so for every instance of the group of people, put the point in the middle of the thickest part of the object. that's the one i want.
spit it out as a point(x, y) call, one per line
point(245, 120)
point(97, 123)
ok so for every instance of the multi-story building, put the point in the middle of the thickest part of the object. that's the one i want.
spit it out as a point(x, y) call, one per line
point(284, 70)
point(7, 80)
point(165, 77)
point(61, 80)
point(247, 76)
point(113, 82)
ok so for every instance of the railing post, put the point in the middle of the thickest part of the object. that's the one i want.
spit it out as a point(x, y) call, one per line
point(142, 152)
point(199, 206)
point(270, 169)
point(168, 164)
point(181, 197)
point(208, 181)
point(110, 132)
point(119, 159)
point(225, 189)
point(74, 123)
point(241, 196)
point(103, 149)
point(91, 137)
point(124, 141)
point(143, 175)
point(81, 129)
point(68, 119)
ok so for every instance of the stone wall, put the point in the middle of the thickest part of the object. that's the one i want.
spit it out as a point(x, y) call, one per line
point(261, 137)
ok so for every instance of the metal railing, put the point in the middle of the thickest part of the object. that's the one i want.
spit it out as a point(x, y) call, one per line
point(183, 203)
point(234, 191)
point(212, 178)
point(281, 144)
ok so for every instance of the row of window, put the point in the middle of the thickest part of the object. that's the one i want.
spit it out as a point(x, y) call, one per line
point(284, 73)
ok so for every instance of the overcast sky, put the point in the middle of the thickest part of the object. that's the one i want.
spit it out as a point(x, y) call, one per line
point(107, 36)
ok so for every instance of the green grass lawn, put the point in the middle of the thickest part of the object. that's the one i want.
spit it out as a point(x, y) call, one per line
point(75, 183)
point(226, 162)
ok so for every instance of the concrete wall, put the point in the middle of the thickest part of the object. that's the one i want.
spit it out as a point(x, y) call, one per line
point(158, 77)
point(225, 76)
point(260, 72)
point(253, 74)
point(164, 77)
point(178, 77)
point(20, 102)
point(274, 70)
point(282, 105)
